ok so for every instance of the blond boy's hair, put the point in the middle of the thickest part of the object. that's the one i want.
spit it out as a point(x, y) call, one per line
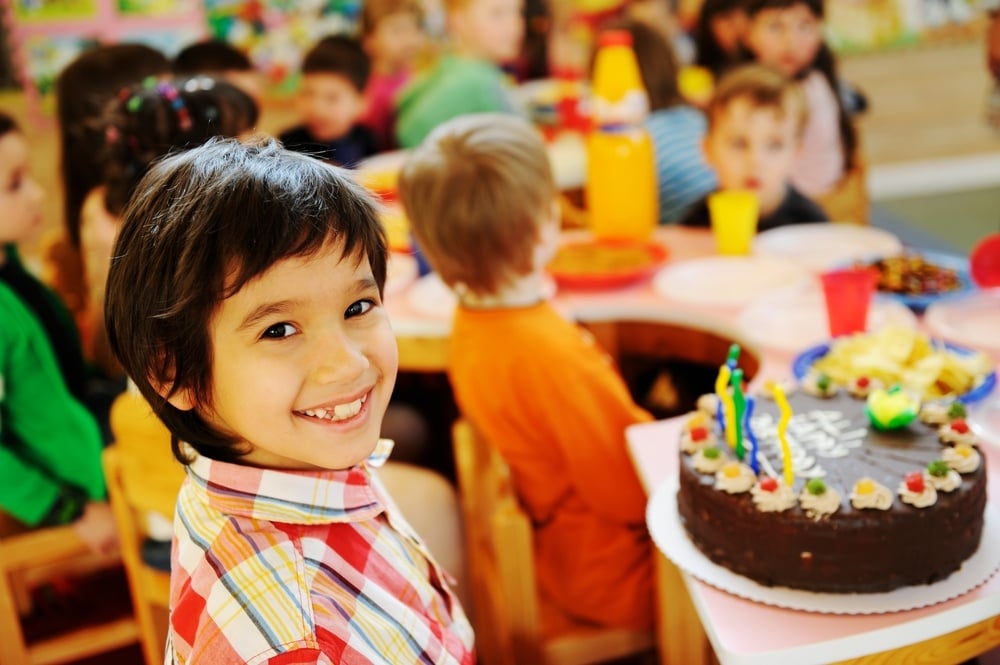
point(764, 87)
point(373, 11)
point(477, 192)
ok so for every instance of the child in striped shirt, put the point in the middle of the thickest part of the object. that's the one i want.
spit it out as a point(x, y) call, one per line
point(245, 300)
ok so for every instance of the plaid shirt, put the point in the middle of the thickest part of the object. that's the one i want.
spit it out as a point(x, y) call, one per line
point(304, 567)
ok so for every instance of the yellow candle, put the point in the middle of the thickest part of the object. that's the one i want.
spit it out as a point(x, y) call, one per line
point(728, 408)
point(786, 415)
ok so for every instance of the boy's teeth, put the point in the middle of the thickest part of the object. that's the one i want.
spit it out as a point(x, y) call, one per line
point(338, 412)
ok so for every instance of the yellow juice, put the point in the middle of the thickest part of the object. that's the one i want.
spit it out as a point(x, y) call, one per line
point(621, 188)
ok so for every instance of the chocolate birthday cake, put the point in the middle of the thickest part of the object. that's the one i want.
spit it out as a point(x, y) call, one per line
point(866, 510)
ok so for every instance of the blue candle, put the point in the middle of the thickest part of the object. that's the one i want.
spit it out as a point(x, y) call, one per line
point(748, 430)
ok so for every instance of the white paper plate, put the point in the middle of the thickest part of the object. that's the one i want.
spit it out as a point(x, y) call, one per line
point(794, 318)
point(401, 271)
point(727, 280)
point(972, 321)
point(670, 537)
point(825, 245)
point(432, 297)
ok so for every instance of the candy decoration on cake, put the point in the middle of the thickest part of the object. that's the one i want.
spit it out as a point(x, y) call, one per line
point(869, 494)
point(739, 409)
point(696, 434)
point(734, 478)
point(818, 500)
point(891, 409)
point(943, 477)
point(961, 457)
point(770, 495)
point(819, 384)
point(958, 431)
point(863, 386)
point(940, 413)
point(786, 415)
point(917, 490)
point(754, 446)
point(708, 459)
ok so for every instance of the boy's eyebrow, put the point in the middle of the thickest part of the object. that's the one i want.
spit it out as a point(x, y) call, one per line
point(270, 309)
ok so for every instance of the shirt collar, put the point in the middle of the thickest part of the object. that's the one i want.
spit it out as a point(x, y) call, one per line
point(290, 497)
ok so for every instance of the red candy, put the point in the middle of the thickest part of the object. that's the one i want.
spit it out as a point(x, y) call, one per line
point(959, 425)
point(768, 484)
point(698, 433)
point(863, 382)
point(915, 481)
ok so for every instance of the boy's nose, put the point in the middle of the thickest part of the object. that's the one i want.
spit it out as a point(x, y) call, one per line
point(339, 359)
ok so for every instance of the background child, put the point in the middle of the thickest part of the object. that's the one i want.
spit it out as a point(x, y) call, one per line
point(50, 445)
point(146, 121)
point(393, 37)
point(482, 201)
point(718, 35)
point(755, 121)
point(83, 89)
point(220, 59)
point(468, 78)
point(331, 103)
point(677, 129)
point(787, 35)
point(262, 344)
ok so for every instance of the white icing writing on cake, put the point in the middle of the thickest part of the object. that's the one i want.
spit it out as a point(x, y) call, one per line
point(811, 435)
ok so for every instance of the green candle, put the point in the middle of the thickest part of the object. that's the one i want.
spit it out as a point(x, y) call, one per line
point(739, 406)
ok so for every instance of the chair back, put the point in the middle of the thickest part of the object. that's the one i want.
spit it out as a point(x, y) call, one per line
point(32, 557)
point(513, 626)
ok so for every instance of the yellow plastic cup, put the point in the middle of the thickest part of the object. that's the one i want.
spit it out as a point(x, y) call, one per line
point(695, 84)
point(734, 216)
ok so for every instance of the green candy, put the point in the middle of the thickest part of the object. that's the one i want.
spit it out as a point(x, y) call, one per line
point(816, 487)
point(711, 453)
point(938, 468)
point(823, 382)
point(956, 410)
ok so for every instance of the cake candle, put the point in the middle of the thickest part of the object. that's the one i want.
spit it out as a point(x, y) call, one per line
point(725, 404)
point(739, 408)
point(786, 416)
point(750, 436)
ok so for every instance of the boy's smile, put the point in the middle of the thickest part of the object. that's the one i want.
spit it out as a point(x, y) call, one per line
point(304, 362)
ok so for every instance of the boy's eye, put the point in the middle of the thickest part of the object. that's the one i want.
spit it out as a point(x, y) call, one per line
point(279, 331)
point(358, 308)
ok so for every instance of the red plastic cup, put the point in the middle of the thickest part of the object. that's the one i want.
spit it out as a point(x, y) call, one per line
point(984, 262)
point(848, 295)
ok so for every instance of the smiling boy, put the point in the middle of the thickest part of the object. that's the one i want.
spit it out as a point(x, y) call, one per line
point(261, 342)
point(755, 121)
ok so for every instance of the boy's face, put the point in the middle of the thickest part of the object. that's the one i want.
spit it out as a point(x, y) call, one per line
point(304, 362)
point(395, 42)
point(20, 195)
point(492, 28)
point(329, 105)
point(785, 38)
point(753, 148)
point(728, 29)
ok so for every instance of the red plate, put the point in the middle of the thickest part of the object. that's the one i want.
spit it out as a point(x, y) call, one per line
point(606, 264)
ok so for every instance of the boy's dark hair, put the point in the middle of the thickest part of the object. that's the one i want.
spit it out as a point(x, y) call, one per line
point(83, 90)
point(339, 54)
point(151, 119)
point(7, 124)
point(708, 53)
point(211, 56)
point(202, 224)
point(825, 62)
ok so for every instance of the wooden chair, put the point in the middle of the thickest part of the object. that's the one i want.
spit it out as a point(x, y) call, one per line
point(149, 587)
point(31, 557)
point(512, 625)
point(142, 477)
point(849, 201)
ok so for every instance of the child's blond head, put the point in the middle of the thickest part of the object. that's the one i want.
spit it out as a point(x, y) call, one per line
point(763, 88)
point(374, 11)
point(478, 191)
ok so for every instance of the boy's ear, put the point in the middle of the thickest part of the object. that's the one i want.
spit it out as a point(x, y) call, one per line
point(182, 400)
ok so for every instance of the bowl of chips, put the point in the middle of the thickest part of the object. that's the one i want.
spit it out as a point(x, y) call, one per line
point(896, 356)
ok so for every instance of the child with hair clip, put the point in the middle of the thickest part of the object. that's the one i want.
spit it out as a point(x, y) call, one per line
point(718, 35)
point(787, 35)
point(50, 444)
point(392, 35)
point(262, 343)
point(468, 77)
point(145, 122)
point(677, 128)
point(482, 200)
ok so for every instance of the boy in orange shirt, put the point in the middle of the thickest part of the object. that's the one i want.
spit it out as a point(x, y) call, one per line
point(481, 197)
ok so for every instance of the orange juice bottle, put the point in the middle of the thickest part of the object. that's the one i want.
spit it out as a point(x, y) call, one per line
point(621, 188)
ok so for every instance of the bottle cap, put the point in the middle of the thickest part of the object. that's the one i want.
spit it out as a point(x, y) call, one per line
point(615, 38)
